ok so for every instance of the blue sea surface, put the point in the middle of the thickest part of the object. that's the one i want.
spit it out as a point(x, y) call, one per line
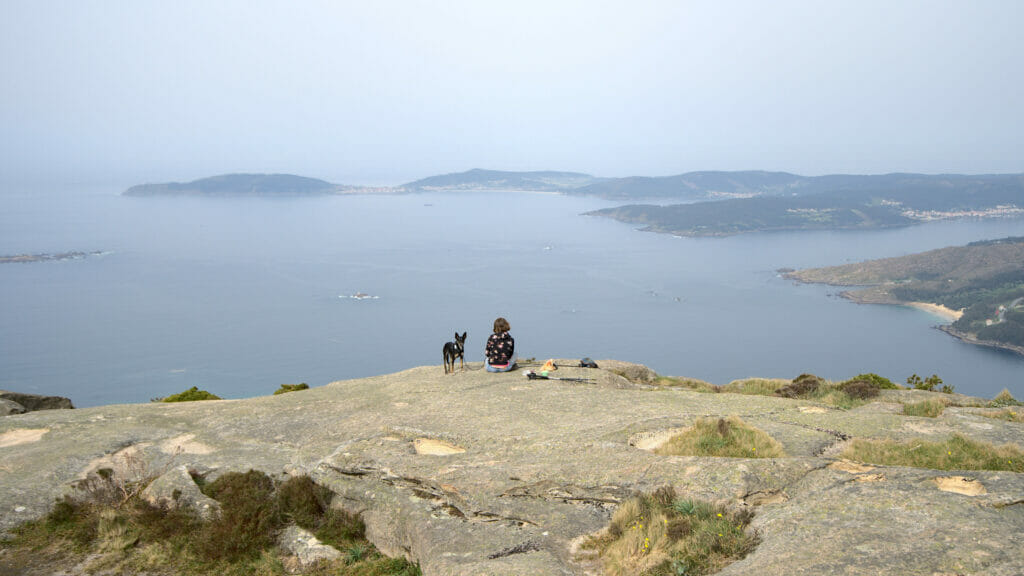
point(239, 295)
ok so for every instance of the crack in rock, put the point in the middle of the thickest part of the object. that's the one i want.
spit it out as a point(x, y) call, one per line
point(602, 497)
point(441, 499)
point(528, 546)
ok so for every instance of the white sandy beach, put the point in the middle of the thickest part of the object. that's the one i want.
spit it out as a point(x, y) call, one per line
point(938, 310)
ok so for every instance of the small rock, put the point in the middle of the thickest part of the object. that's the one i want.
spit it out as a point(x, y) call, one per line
point(306, 547)
point(176, 489)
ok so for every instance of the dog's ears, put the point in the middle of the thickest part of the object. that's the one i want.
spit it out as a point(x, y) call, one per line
point(463, 335)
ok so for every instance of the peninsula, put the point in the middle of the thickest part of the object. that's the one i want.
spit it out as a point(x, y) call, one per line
point(980, 286)
point(774, 202)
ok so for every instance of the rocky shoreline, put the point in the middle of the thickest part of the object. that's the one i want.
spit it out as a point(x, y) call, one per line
point(971, 339)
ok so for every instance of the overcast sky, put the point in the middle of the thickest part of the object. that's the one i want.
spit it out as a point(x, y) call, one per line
point(385, 91)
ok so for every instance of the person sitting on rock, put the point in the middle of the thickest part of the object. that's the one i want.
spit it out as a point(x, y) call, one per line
point(501, 348)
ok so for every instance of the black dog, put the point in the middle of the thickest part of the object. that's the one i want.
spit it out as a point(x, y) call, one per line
point(453, 350)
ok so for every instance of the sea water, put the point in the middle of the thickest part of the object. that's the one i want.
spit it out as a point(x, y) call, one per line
point(239, 295)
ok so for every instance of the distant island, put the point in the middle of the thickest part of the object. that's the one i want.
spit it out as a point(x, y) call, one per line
point(241, 185)
point(835, 203)
point(478, 179)
point(46, 257)
point(980, 285)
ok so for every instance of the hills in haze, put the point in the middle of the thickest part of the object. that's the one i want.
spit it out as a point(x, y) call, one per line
point(239, 185)
point(695, 203)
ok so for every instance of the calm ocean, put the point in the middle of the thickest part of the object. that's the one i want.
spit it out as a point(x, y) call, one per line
point(238, 296)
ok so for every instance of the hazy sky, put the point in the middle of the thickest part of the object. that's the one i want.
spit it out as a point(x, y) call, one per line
point(386, 92)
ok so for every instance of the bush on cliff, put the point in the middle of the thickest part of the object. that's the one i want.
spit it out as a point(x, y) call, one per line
point(880, 382)
point(286, 388)
point(661, 534)
point(193, 394)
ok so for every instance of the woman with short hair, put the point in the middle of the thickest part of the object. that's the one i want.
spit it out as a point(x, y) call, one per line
point(501, 348)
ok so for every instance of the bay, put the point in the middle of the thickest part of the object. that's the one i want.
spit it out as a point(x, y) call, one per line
point(237, 296)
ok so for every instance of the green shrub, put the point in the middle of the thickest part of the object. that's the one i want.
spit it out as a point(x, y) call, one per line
point(303, 501)
point(729, 438)
point(801, 387)
point(193, 394)
point(956, 453)
point(285, 388)
point(661, 535)
point(859, 389)
point(914, 381)
point(931, 408)
point(249, 517)
point(880, 382)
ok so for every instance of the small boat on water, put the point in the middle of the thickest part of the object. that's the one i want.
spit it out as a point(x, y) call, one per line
point(361, 296)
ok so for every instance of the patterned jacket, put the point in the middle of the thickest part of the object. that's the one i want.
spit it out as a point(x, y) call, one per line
point(500, 348)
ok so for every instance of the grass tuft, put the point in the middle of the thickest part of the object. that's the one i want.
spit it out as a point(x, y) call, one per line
point(689, 383)
point(658, 536)
point(755, 386)
point(931, 408)
point(1004, 398)
point(1008, 414)
point(956, 453)
point(718, 437)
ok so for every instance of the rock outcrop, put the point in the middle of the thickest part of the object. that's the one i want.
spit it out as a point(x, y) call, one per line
point(480, 473)
point(32, 402)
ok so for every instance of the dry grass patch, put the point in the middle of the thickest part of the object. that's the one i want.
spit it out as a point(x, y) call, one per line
point(689, 383)
point(722, 437)
point(1004, 399)
point(662, 535)
point(1008, 414)
point(931, 408)
point(804, 387)
point(956, 453)
point(755, 386)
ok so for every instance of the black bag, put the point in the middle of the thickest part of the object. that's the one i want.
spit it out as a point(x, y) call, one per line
point(588, 363)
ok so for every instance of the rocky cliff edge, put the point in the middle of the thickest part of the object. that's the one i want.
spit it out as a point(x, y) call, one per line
point(479, 473)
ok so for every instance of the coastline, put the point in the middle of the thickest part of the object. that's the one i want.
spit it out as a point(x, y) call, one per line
point(970, 339)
